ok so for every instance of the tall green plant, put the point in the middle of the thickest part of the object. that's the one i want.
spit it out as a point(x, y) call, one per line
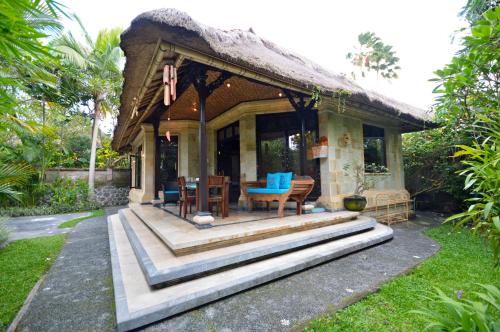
point(23, 55)
point(13, 176)
point(482, 176)
point(469, 99)
point(100, 62)
point(466, 315)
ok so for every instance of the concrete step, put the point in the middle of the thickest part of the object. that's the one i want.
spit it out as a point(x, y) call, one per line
point(161, 266)
point(138, 304)
point(184, 238)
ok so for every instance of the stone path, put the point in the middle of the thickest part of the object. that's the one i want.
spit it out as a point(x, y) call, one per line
point(77, 294)
point(35, 226)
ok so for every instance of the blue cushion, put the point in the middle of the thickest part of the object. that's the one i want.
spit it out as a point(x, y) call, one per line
point(273, 181)
point(171, 191)
point(285, 180)
point(266, 191)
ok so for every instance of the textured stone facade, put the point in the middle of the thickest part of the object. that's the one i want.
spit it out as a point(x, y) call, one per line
point(112, 195)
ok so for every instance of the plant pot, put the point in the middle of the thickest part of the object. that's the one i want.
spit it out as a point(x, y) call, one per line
point(355, 203)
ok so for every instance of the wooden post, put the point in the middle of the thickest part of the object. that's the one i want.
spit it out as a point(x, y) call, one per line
point(200, 84)
point(303, 152)
point(204, 90)
point(301, 109)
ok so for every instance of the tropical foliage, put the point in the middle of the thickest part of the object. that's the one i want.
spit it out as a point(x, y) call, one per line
point(462, 314)
point(99, 60)
point(469, 99)
point(373, 54)
point(24, 57)
point(13, 176)
point(45, 84)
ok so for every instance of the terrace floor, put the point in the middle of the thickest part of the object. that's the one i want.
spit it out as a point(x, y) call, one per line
point(235, 215)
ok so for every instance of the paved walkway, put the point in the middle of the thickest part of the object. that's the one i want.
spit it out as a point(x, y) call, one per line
point(30, 227)
point(77, 294)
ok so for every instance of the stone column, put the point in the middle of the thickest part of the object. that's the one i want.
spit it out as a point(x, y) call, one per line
point(248, 152)
point(148, 163)
point(345, 145)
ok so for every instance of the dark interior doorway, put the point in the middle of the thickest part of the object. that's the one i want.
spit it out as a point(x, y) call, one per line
point(169, 152)
point(228, 157)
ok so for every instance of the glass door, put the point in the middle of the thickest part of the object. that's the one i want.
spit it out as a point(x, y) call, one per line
point(228, 157)
point(278, 146)
point(169, 151)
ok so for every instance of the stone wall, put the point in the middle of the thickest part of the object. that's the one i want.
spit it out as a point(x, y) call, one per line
point(103, 176)
point(345, 146)
point(111, 195)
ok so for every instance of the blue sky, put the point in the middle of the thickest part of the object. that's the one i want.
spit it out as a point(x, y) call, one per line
point(324, 31)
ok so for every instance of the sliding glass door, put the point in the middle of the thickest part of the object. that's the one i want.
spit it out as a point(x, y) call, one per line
point(278, 146)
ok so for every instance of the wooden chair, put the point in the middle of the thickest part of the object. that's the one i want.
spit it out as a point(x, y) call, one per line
point(300, 188)
point(218, 191)
point(184, 198)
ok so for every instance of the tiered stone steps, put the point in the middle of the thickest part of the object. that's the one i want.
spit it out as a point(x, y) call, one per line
point(160, 265)
point(184, 238)
point(152, 282)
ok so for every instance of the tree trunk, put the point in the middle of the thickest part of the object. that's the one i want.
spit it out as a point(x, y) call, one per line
point(95, 129)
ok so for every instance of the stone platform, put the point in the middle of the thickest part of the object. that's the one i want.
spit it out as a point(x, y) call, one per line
point(138, 304)
point(184, 238)
point(160, 265)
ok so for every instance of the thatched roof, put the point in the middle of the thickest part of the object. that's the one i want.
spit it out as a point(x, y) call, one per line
point(245, 49)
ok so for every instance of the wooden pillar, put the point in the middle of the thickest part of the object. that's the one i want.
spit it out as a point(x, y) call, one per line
point(301, 109)
point(204, 90)
point(303, 152)
point(201, 87)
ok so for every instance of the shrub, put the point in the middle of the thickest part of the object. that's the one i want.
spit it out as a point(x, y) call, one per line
point(62, 191)
point(18, 211)
point(460, 314)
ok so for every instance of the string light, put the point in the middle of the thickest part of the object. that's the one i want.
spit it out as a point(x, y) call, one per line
point(280, 94)
point(228, 85)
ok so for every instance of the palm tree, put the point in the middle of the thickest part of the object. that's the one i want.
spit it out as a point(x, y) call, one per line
point(100, 62)
point(13, 176)
point(373, 54)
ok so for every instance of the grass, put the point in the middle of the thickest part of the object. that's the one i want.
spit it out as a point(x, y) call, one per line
point(463, 260)
point(22, 264)
point(73, 222)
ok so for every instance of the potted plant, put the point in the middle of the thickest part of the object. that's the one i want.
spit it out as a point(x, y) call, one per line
point(357, 202)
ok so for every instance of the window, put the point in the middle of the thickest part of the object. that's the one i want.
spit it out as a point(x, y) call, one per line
point(374, 149)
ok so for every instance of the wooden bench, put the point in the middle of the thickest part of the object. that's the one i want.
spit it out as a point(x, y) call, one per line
point(300, 188)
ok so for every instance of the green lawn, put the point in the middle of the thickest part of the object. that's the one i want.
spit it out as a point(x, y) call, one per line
point(72, 223)
point(463, 260)
point(22, 263)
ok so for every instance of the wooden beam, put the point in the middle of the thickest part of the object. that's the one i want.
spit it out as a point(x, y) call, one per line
point(208, 60)
point(156, 59)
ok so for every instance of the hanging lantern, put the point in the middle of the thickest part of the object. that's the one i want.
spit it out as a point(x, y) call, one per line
point(170, 82)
